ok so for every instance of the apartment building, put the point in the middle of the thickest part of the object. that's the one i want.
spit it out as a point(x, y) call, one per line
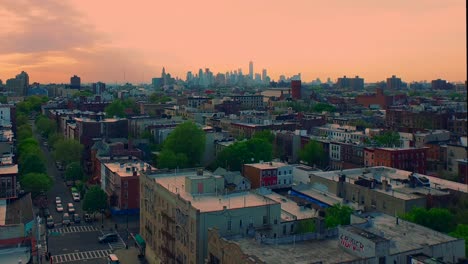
point(268, 174)
point(177, 208)
point(120, 179)
point(410, 159)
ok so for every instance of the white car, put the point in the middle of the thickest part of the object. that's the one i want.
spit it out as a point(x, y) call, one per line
point(76, 197)
point(58, 200)
point(59, 208)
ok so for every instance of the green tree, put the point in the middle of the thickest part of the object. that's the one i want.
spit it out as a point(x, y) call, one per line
point(95, 200)
point(67, 151)
point(266, 135)
point(74, 172)
point(31, 163)
point(85, 93)
point(338, 215)
point(24, 132)
point(45, 126)
point(306, 226)
point(54, 138)
point(28, 146)
point(36, 183)
point(186, 142)
point(461, 232)
point(320, 107)
point(388, 139)
point(169, 159)
point(21, 120)
point(159, 98)
point(241, 152)
point(439, 219)
point(119, 108)
point(313, 153)
point(3, 100)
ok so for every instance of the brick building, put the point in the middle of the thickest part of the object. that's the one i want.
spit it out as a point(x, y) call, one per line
point(409, 159)
point(412, 120)
point(269, 174)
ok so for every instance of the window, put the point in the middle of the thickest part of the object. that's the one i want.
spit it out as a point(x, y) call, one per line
point(264, 219)
point(240, 223)
point(229, 225)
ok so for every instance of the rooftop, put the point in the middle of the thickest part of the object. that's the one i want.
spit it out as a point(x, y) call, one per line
point(289, 208)
point(406, 236)
point(267, 165)
point(125, 169)
point(174, 183)
point(327, 251)
point(395, 178)
point(9, 169)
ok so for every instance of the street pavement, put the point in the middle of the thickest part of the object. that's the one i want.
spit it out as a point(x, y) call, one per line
point(78, 243)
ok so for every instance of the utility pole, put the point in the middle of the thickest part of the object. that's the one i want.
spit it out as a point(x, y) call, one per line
point(126, 242)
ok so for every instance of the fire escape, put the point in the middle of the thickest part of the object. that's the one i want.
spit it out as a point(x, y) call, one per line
point(168, 240)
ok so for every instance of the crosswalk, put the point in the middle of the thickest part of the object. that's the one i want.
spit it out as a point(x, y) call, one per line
point(117, 244)
point(73, 229)
point(81, 256)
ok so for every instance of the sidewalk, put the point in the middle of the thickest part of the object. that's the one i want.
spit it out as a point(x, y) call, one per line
point(129, 256)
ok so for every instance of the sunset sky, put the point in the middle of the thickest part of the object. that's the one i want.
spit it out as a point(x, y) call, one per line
point(101, 40)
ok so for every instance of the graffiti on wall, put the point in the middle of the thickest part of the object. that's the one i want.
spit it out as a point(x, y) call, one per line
point(351, 243)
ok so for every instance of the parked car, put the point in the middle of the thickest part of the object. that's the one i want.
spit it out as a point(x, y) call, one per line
point(58, 200)
point(71, 208)
point(113, 259)
point(110, 237)
point(87, 218)
point(76, 197)
point(59, 208)
point(66, 219)
point(76, 218)
point(50, 222)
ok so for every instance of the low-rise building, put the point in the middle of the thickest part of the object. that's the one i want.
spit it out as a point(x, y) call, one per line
point(268, 174)
point(371, 238)
point(410, 159)
point(120, 179)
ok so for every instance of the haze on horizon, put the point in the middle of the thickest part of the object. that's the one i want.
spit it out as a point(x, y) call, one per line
point(101, 40)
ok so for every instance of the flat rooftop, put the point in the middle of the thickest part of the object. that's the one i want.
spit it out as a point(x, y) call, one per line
point(174, 183)
point(9, 169)
point(290, 209)
point(326, 251)
point(394, 177)
point(407, 236)
point(125, 169)
point(267, 165)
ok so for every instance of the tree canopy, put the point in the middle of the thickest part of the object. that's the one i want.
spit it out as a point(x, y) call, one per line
point(74, 172)
point(185, 144)
point(36, 183)
point(45, 126)
point(320, 107)
point(439, 219)
point(121, 108)
point(31, 163)
point(94, 200)
point(461, 231)
point(266, 135)
point(68, 150)
point(338, 215)
point(313, 153)
point(246, 151)
point(388, 139)
point(158, 98)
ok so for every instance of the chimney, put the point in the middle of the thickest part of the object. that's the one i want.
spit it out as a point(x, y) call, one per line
point(200, 172)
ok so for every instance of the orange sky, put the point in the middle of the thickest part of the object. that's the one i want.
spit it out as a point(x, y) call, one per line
point(103, 39)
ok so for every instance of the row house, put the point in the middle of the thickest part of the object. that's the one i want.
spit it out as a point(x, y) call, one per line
point(268, 174)
point(120, 180)
point(409, 159)
point(411, 120)
point(345, 155)
point(249, 101)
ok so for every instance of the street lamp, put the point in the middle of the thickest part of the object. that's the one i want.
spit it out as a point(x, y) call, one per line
point(102, 218)
point(126, 243)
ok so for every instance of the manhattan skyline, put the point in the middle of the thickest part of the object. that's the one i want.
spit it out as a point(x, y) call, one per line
point(103, 41)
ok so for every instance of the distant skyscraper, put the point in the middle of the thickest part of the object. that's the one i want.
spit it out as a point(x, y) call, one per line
point(251, 70)
point(75, 82)
point(189, 76)
point(353, 83)
point(23, 79)
point(394, 83)
point(164, 76)
point(264, 75)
